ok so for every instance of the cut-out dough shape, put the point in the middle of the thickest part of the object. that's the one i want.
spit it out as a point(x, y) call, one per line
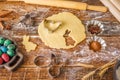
point(68, 39)
point(56, 39)
point(28, 45)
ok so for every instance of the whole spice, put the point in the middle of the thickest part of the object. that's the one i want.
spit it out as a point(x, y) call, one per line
point(95, 46)
point(94, 29)
point(96, 43)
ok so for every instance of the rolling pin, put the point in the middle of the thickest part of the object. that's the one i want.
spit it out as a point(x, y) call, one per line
point(112, 8)
point(66, 4)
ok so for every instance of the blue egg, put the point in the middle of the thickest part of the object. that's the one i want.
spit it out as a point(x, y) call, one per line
point(3, 49)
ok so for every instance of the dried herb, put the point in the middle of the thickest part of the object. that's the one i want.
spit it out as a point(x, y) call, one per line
point(83, 65)
point(89, 76)
point(101, 70)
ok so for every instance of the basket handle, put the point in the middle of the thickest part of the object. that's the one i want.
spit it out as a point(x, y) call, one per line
point(15, 62)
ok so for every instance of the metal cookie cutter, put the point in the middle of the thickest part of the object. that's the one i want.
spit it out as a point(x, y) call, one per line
point(52, 25)
point(42, 61)
point(54, 70)
point(14, 62)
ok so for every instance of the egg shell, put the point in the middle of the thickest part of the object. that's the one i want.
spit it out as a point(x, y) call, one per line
point(0, 52)
point(5, 57)
point(1, 61)
point(3, 49)
point(2, 40)
point(11, 53)
point(11, 47)
point(7, 42)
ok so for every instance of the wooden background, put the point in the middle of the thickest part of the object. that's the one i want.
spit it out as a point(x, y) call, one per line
point(28, 70)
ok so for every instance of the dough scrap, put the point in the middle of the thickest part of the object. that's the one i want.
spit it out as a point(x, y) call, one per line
point(28, 45)
point(56, 39)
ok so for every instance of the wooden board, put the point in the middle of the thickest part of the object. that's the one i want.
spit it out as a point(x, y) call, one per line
point(81, 53)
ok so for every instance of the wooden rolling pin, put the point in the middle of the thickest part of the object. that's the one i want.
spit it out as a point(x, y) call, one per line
point(112, 9)
point(66, 4)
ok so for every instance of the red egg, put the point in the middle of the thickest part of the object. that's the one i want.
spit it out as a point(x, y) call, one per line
point(5, 57)
point(1, 61)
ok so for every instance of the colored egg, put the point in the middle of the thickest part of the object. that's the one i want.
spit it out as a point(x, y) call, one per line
point(3, 49)
point(1, 61)
point(0, 52)
point(5, 57)
point(7, 42)
point(2, 40)
point(11, 46)
point(11, 53)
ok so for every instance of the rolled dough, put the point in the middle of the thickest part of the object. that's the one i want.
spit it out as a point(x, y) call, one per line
point(55, 39)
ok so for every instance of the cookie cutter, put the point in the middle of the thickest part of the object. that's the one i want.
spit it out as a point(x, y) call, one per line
point(42, 61)
point(15, 60)
point(55, 25)
point(55, 71)
point(51, 64)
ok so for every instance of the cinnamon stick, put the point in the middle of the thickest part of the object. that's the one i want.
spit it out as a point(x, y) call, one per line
point(66, 4)
point(4, 13)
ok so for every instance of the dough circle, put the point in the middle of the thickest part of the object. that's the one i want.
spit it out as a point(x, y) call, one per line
point(55, 39)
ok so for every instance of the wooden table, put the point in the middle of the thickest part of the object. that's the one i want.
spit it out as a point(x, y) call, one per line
point(81, 53)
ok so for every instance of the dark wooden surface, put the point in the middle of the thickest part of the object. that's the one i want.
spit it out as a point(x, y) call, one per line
point(81, 53)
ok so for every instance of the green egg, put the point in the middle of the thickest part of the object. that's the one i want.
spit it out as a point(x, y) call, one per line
point(0, 52)
point(7, 42)
point(11, 46)
point(2, 40)
point(11, 53)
